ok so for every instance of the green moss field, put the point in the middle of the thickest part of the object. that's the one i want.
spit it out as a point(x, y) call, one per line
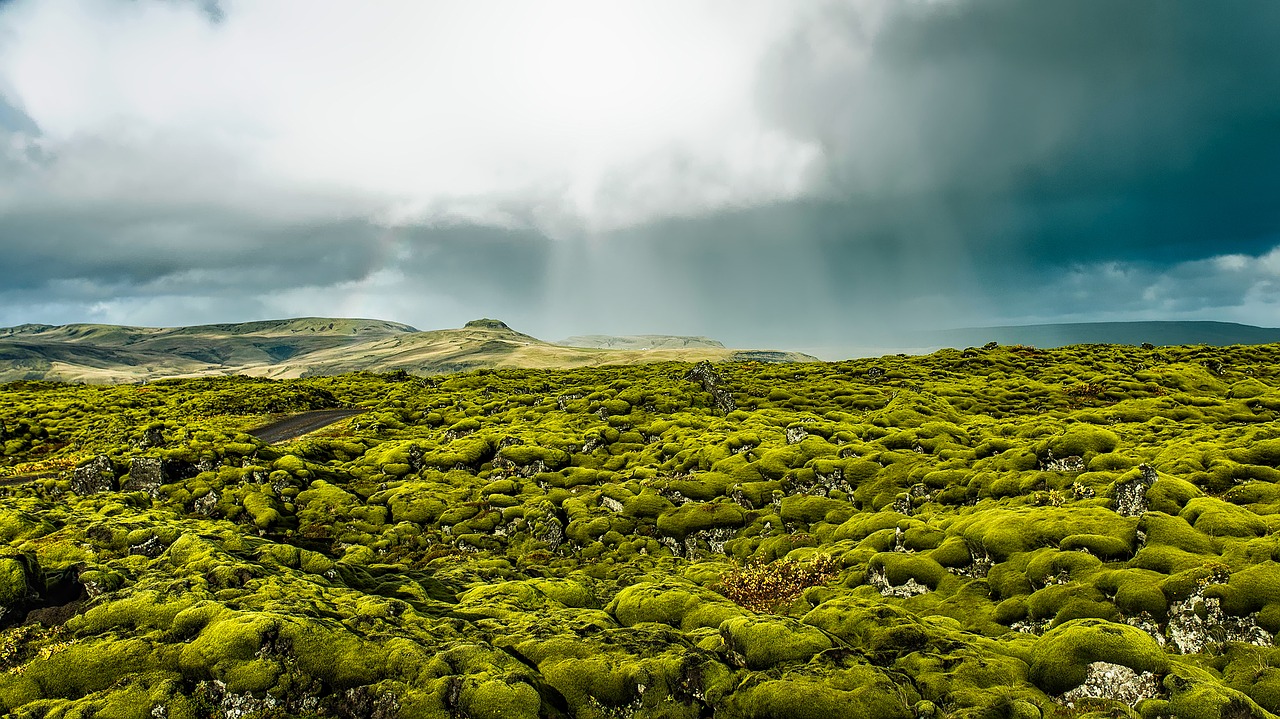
point(972, 533)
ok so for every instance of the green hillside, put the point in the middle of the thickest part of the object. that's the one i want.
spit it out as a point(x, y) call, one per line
point(1006, 532)
point(307, 347)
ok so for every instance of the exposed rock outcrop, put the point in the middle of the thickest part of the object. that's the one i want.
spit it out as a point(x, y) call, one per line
point(152, 437)
point(1198, 621)
point(712, 382)
point(485, 323)
point(146, 474)
point(96, 475)
point(1073, 464)
point(206, 505)
point(1104, 680)
point(879, 579)
point(1131, 495)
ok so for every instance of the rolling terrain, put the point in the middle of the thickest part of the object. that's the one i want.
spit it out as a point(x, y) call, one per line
point(314, 346)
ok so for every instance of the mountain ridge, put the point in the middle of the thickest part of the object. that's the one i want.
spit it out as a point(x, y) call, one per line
point(307, 346)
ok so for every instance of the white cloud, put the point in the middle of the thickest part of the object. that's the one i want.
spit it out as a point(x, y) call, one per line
point(1231, 287)
point(500, 110)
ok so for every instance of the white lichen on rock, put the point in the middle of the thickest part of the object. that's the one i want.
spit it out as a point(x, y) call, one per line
point(911, 588)
point(1131, 496)
point(1198, 621)
point(1104, 680)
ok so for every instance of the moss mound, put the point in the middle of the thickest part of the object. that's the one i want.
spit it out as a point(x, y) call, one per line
point(1062, 654)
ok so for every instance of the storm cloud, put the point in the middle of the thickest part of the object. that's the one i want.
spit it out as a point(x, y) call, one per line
point(759, 172)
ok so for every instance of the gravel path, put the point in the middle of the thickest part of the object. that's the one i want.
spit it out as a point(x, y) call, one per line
point(300, 424)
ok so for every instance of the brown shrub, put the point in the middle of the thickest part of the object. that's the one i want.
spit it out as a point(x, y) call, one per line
point(765, 587)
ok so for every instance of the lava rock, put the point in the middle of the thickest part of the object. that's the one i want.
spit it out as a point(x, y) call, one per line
point(713, 383)
point(879, 579)
point(96, 475)
point(206, 505)
point(1073, 464)
point(795, 435)
point(1104, 680)
point(153, 437)
point(151, 548)
point(146, 474)
point(1131, 495)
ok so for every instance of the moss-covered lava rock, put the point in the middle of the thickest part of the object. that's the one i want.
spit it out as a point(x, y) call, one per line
point(972, 533)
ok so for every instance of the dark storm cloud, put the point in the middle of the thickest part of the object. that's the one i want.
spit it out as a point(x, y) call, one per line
point(473, 260)
point(871, 166)
point(247, 255)
point(1060, 132)
point(213, 265)
point(984, 161)
point(125, 248)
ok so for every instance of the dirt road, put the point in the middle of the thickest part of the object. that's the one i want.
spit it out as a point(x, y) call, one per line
point(300, 424)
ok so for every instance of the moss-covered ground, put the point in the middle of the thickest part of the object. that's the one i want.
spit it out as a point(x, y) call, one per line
point(960, 534)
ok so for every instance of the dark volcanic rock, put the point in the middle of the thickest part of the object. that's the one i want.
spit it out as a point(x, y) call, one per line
point(206, 505)
point(795, 435)
point(713, 383)
point(1117, 682)
point(415, 458)
point(146, 474)
point(1073, 464)
point(96, 475)
point(552, 534)
point(153, 437)
point(151, 548)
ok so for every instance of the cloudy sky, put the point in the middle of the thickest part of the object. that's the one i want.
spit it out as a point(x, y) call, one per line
point(767, 173)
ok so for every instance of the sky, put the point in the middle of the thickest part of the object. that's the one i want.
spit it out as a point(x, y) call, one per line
point(794, 173)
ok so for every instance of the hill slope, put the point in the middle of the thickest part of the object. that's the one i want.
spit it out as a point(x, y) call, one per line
point(305, 347)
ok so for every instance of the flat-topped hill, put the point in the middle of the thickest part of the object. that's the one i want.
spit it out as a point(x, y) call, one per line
point(639, 342)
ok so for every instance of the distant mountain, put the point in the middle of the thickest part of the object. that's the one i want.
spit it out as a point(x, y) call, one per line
point(309, 346)
point(638, 342)
point(1125, 333)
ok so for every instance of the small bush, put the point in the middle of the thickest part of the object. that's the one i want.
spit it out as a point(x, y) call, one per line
point(765, 587)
